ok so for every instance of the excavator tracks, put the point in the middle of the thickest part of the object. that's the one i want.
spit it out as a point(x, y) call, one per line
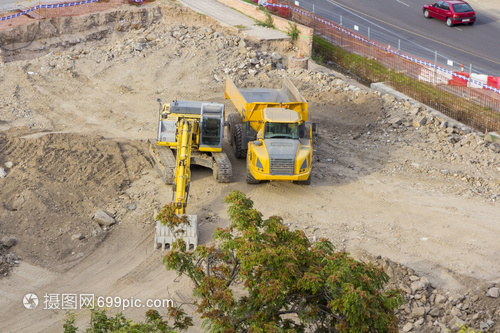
point(223, 171)
point(164, 160)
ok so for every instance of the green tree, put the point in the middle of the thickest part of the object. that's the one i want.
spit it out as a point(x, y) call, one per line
point(260, 276)
point(100, 322)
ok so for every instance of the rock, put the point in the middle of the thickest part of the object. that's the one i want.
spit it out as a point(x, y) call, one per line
point(418, 324)
point(418, 312)
point(131, 206)
point(396, 121)
point(418, 122)
point(456, 312)
point(276, 56)
point(483, 326)
point(9, 165)
point(435, 312)
point(103, 219)
point(11, 258)
point(18, 203)
point(3, 174)
point(408, 327)
point(440, 299)
point(455, 324)
point(417, 286)
point(139, 46)
point(493, 292)
point(77, 237)
point(8, 241)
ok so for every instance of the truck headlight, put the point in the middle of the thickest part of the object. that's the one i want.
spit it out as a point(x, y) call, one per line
point(259, 164)
point(304, 165)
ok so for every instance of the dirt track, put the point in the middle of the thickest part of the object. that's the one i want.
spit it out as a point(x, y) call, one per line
point(75, 119)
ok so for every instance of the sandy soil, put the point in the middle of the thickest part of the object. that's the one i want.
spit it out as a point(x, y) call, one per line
point(75, 120)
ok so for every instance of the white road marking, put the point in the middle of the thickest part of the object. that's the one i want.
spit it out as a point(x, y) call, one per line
point(401, 2)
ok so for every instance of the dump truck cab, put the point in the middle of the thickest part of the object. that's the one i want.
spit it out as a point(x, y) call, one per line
point(282, 150)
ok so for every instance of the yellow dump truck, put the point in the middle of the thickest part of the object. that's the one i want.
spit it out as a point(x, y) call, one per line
point(270, 130)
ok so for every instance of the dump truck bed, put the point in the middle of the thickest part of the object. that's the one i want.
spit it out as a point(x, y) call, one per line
point(250, 102)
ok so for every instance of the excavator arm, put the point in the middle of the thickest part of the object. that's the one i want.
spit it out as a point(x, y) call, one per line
point(185, 130)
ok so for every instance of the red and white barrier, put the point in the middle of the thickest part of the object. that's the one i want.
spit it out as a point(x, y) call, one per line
point(474, 80)
point(494, 81)
point(429, 74)
point(460, 79)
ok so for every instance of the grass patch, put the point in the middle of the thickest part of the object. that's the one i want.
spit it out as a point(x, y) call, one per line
point(441, 98)
point(268, 23)
point(293, 31)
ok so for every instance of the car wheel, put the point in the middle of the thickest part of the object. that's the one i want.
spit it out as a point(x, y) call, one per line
point(426, 14)
point(449, 22)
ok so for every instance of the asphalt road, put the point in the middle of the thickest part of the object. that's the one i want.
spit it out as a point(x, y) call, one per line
point(402, 24)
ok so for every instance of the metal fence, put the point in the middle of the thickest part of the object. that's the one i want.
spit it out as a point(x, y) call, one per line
point(454, 93)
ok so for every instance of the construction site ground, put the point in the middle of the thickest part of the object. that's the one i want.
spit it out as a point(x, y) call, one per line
point(77, 110)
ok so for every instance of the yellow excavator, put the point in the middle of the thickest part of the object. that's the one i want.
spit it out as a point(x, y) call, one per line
point(188, 133)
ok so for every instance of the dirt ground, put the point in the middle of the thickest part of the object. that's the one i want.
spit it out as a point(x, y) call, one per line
point(75, 117)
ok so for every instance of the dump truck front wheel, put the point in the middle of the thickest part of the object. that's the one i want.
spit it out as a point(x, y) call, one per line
point(304, 182)
point(251, 179)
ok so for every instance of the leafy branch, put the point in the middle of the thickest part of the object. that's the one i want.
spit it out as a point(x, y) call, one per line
point(257, 275)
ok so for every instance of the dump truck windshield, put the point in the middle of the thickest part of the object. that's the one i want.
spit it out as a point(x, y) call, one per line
point(281, 131)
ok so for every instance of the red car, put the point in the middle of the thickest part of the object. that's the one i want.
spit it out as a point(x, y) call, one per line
point(452, 12)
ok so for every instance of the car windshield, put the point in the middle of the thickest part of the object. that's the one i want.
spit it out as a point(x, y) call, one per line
point(281, 130)
point(462, 8)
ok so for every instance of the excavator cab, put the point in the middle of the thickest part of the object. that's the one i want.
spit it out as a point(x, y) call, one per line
point(212, 126)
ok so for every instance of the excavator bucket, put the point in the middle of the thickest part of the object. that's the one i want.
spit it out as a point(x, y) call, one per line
point(166, 237)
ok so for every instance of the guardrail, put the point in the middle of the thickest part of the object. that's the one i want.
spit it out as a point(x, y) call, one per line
point(47, 6)
point(465, 97)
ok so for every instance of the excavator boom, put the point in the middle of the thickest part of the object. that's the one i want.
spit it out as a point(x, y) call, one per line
point(183, 170)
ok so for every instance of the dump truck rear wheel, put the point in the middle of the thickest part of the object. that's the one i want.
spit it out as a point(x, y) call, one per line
point(239, 152)
point(233, 119)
